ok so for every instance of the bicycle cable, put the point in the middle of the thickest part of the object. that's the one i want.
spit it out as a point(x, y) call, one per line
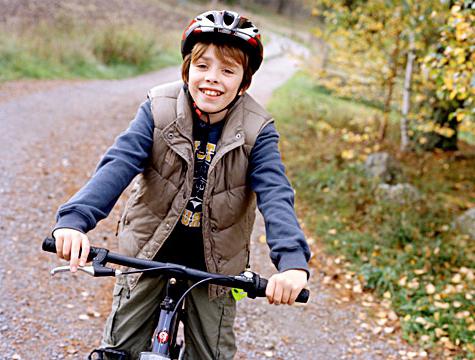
point(152, 269)
point(191, 288)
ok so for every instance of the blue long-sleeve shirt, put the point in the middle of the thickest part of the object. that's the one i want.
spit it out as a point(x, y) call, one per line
point(127, 158)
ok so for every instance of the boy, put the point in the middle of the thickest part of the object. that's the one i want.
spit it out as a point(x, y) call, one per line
point(202, 148)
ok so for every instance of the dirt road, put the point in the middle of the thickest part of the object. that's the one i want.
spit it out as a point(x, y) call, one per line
point(50, 141)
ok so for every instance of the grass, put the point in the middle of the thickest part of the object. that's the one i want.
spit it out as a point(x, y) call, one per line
point(79, 50)
point(409, 253)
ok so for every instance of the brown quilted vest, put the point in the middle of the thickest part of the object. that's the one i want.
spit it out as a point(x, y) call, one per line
point(161, 192)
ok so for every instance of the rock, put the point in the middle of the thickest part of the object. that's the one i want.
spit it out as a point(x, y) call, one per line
point(399, 193)
point(466, 223)
point(383, 167)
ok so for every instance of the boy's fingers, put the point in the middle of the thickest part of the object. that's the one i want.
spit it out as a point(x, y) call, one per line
point(286, 292)
point(75, 247)
point(270, 290)
point(67, 247)
point(85, 248)
point(59, 246)
point(278, 294)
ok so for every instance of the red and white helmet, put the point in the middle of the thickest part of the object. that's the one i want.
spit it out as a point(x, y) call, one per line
point(226, 25)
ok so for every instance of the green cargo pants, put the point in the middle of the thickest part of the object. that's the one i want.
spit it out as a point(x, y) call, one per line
point(208, 334)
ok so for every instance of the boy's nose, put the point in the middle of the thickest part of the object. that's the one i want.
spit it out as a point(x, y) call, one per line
point(212, 76)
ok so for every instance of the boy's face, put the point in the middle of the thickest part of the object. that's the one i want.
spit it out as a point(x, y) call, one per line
point(212, 83)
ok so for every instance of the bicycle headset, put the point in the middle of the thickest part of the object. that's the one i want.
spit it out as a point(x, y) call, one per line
point(228, 27)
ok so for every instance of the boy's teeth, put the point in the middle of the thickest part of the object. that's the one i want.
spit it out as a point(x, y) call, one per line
point(211, 92)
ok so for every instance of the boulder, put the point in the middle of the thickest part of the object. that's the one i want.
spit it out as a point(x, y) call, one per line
point(466, 223)
point(400, 193)
point(383, 167)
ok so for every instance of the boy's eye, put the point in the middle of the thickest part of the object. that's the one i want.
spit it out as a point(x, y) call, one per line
point(229, 71)
point(201, 66)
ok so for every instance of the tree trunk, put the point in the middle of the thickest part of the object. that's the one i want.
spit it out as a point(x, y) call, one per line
point(390, 81)
point(406, 100)
point(281, 6)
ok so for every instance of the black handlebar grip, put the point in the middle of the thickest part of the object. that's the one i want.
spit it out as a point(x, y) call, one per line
point(261, 291)
point(49, 245)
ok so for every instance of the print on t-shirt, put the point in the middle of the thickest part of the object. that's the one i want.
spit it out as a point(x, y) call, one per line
point(192, 215)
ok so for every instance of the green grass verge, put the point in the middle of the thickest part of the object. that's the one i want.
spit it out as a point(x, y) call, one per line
point(103, 51)
point(410, 253)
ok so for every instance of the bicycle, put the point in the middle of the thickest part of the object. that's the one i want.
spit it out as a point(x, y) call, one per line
point(164, 340)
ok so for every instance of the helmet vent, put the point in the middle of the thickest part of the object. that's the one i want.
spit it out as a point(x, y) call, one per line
point(228, 19)
point(246, 25)
point(210, 17)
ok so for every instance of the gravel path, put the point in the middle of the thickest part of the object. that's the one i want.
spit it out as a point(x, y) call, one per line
point(50, 142)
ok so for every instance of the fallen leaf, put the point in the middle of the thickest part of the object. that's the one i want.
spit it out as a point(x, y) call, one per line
point(84, 317)
point(456, 279)
point(377, 330)
point(71, 350)
point(392, 316)
point(430, 289)
point(441, 305)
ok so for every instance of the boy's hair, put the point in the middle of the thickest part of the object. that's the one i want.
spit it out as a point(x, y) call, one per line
point(224, 52)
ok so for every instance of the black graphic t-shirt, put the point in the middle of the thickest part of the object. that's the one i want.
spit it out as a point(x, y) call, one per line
point(205, 140)
point(185, 244)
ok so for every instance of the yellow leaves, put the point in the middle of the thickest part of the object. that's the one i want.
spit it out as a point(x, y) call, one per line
point(375, 26)
point(448, 81)
point(348, 154)
point(463, 30)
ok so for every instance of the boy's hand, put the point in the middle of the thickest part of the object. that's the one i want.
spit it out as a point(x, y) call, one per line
point(68, 244)
point(284, 287)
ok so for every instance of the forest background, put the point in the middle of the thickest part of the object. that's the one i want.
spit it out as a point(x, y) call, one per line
point(392, 77)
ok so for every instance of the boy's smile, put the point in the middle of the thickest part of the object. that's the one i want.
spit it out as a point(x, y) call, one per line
point(213, 84)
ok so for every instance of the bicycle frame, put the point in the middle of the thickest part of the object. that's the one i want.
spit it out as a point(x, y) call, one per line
point(164, 339)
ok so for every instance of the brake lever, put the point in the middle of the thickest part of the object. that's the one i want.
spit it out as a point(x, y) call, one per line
point(95, 270)
point(87, 269)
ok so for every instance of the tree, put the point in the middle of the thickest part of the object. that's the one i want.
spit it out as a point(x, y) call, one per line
point(376, 36)
point(449, 80)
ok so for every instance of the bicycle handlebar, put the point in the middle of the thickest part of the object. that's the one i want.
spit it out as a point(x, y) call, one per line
point(255, 286)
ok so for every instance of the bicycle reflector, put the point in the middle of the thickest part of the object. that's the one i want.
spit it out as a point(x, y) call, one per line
point(238, 294)
point(162, 337)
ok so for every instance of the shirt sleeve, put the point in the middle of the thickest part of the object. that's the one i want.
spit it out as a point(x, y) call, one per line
point(120, 164)
point(275, 200)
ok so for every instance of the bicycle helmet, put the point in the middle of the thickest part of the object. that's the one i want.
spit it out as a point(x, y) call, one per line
point(228, 26)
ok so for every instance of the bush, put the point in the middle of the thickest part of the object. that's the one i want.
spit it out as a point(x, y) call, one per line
point(118, 45)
